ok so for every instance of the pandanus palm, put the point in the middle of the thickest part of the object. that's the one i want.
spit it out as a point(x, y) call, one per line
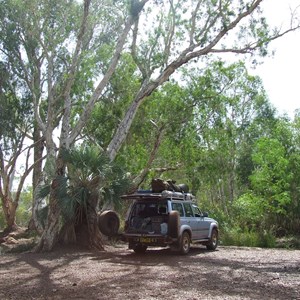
point(91, 181)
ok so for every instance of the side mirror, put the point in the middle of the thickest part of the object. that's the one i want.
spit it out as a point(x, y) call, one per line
point(205, 214)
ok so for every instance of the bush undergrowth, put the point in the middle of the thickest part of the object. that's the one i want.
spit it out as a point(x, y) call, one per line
point(238, 237)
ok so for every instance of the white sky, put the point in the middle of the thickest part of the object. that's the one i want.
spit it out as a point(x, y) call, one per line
point(280, 74)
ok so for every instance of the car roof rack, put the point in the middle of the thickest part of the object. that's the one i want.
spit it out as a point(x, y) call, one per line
point(149, 195)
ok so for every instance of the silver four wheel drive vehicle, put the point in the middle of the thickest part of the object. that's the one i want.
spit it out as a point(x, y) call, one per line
point(167, 219)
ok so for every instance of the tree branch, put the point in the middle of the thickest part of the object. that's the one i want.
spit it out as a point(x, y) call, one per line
point(137, 181)
point(102, 84)
point(24, 176)
point(134, 52)
point(71, 77)
point(187, 55)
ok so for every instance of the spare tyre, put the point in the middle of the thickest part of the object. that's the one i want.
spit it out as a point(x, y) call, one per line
point(108, 223)
point(173, 224)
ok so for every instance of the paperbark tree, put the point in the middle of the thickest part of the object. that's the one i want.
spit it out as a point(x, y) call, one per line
point(15, 127)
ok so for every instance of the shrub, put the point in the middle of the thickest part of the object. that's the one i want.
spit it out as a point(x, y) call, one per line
point(238, 237)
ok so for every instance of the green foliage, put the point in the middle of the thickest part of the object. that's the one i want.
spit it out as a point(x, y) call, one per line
point(23, 213)
point(169, 111)
point(249, 211)
point(90, 171)
point(226, 100)
point(270, 178)
point(237, 237)
point(90, 174)
point(42, 215)
point(215, 211)
point(2, 220)
point(68, 200)
point(108, 113)
point(244, 224)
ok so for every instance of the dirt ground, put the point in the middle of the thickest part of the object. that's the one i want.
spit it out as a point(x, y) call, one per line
point(118, 273)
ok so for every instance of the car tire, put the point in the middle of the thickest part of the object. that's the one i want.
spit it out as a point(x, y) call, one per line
point(140, 249)
point(173, 224)
point(185, 243)
point(109, 223)
point(213, 242)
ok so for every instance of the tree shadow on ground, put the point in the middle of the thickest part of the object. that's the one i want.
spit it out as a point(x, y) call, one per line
point(160, 273)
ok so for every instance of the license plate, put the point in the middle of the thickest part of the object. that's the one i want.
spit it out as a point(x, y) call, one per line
point(147, 240)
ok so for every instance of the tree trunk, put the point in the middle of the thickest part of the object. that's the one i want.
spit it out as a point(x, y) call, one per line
point(83, 230)
point(34, 224)
point(50, 235)
point(95, 237)
point(68, 233)
point(37, 156)
point(9, 208)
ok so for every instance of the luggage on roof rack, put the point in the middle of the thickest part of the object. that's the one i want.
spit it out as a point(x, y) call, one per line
point(178, 195)
point(159, 185)
point(148, 194)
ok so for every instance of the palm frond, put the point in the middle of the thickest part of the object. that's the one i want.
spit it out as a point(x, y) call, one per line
point(87, 160)
point(42, 191)
point(118, 185)
point(91, 171)
point(65, 200)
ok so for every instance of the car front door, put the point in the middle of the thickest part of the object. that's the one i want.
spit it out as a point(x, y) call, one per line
point(202, 224)
point(191, 220)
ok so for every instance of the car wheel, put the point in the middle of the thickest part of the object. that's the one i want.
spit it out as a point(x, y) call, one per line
point(109, 223)
point(185, 243)
point(140, 249)
point(173, 224)
point(213, 243)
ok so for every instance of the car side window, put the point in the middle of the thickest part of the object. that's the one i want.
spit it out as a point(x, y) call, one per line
point(196, 210)
point(179, 208)
point(188, 210)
